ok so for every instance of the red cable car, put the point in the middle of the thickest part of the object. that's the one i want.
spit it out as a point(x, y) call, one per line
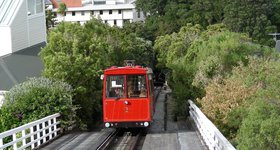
point(128, 98)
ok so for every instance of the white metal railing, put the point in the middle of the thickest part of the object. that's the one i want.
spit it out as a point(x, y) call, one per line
point(31, 135)
point(213, 138)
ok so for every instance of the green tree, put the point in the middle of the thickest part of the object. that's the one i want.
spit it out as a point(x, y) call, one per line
point(151, 7)
point(226, 102)
point(61, 8)
point(206, 12)
point(261, 129)
point(50, 19)
point(196, 57)
point(76, 55)
point(256, 18)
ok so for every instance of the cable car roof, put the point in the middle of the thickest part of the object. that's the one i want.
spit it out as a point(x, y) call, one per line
point(128, 70)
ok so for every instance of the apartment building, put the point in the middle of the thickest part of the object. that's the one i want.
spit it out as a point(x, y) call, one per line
point(112, 12)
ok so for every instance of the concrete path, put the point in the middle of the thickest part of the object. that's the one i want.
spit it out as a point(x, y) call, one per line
point(170, 135)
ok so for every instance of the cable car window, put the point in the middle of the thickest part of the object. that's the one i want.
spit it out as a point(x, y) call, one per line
point(115, 86)
point(136, 86)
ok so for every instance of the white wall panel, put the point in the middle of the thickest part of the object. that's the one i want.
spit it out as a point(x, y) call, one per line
point(37, 29)
point(127, 14)
point(5, 41)
point(19, 32)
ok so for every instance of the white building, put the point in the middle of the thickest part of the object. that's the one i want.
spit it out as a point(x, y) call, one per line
point(113, 12)
point(22, 24)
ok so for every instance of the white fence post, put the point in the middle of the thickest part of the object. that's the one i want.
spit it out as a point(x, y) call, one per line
point(23, 135)
point(44, 132)
point(212, 137)
point(1, 142)
point(32, 137)
point(54, 121)
point(38, 134)
point(50, 129)
point(14, 139)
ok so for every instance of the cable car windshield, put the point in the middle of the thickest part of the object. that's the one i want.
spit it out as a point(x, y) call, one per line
point(136, 86)
point(115, 86)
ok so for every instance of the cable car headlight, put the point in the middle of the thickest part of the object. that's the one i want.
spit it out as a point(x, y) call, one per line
point(146, 124)
point(107, 125)
point(102, 76)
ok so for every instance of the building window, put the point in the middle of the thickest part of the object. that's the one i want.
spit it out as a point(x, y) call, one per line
point(110, 12)
point(105, 21)
point(35, 7)
point(99, 2)
point(64, 14)
point(82, 13)
point(120, 11)
point(115, 22)
point(92, 12)
point(73, 13)
point(101, 12)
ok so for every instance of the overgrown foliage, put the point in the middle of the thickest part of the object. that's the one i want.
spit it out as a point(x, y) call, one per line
point(261, 129)
point(196, 57)
point(252, 86)
point(35, 99)
point(224, 104)
point(255, 18)
point(50, 19)
point(61, 8)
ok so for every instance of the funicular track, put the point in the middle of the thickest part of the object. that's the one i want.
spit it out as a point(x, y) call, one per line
point(123, 139)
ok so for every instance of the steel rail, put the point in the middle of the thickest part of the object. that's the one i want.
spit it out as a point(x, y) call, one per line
point(106, 143)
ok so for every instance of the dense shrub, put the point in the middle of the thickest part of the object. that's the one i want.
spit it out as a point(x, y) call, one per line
point(225, 99)
point(196, 57)
point(261, 129)
point(35, 99)
point(226, 103)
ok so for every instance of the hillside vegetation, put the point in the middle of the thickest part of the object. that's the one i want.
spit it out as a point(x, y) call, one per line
point(215, 52)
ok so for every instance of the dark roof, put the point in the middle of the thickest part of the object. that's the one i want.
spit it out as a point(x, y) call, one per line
point(19, 66)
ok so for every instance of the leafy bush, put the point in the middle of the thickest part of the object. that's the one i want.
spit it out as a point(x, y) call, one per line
point(35, 99)
point(226, 102)
point(261, 129)
point(196, 57)
point(225, 99)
